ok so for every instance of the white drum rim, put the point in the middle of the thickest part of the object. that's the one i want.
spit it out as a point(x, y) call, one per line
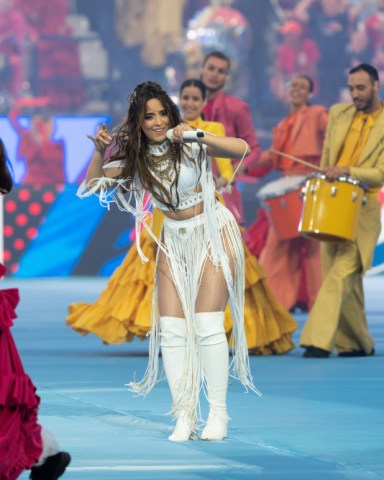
point(300, 181)
point(341, 178)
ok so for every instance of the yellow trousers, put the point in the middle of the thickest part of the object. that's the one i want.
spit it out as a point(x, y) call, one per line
point(337, 319)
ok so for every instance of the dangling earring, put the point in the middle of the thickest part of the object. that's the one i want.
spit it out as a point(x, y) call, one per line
point(139, 139)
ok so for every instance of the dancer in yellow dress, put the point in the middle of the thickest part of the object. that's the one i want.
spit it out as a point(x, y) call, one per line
point(123, 310)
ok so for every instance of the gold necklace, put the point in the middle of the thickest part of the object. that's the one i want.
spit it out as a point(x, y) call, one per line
point(158, 159)
point(162, 165)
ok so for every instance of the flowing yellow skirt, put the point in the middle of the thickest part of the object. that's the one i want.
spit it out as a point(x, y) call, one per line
point(123, 310)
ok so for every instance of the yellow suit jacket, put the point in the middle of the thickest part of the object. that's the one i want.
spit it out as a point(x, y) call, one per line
point(369, 169)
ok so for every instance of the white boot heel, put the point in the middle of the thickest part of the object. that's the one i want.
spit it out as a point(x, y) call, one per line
point(216, 427)
point(183, 430)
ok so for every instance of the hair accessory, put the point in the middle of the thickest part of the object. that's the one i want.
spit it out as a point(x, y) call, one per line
point(133, 96)
point(139, 139)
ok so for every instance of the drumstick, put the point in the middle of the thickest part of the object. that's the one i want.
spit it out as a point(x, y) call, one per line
point(298, 160)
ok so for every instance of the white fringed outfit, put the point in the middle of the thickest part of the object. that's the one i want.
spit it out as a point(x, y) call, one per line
point(188, 244)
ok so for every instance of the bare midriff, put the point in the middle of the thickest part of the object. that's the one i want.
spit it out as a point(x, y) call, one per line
point(185, 214)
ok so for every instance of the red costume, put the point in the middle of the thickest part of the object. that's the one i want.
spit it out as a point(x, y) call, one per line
point(291, 61)
point(43, 156)
point(20, 434)
point(13, 32)
point(237, 120)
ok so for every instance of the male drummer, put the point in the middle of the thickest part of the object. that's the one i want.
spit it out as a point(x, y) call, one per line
point(354, 146)
point(234, 114)
point(289, 264)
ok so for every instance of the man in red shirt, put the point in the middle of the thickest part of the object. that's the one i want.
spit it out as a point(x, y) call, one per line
point(234, 114)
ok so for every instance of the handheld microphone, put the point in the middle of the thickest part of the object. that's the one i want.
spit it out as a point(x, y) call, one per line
point(188, 137)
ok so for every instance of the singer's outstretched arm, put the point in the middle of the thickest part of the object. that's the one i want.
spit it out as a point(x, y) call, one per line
point(217, 146)
point(227, 147)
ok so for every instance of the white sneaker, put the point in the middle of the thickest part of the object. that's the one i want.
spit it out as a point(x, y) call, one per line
point(216, 427)
point(183, 430)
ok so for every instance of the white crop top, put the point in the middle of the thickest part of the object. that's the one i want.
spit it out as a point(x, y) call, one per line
point(137, 201)
point(189, 175)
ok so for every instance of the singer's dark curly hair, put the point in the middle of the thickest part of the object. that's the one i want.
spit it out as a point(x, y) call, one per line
point(6, 181)
point(132, 143)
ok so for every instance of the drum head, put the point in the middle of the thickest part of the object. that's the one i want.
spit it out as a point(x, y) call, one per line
point(281, 186)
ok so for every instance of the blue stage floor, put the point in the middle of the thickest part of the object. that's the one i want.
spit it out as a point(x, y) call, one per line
point(318, 419)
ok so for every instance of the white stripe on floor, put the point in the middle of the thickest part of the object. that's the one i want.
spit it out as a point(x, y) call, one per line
point(154, 468)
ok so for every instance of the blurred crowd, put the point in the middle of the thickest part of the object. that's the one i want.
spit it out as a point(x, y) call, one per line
point(324, 39)
point(38, 54)
point(85, 56)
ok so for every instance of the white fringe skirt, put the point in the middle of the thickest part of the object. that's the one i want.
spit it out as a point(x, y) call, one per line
point(188, 245)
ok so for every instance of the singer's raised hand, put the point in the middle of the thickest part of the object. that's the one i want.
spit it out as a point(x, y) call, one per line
point(102, 139)
point(179, 130)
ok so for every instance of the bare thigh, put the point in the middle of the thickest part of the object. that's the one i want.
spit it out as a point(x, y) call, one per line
point(213, 291)
point(168, 298)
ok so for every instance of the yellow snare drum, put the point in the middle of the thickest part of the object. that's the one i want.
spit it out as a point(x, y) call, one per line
point(331, 208)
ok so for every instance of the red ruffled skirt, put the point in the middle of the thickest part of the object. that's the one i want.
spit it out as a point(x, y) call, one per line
point(20, 434)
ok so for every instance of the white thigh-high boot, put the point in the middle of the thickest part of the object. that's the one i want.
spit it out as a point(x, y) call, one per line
point(213, 347)
point(173, 350)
